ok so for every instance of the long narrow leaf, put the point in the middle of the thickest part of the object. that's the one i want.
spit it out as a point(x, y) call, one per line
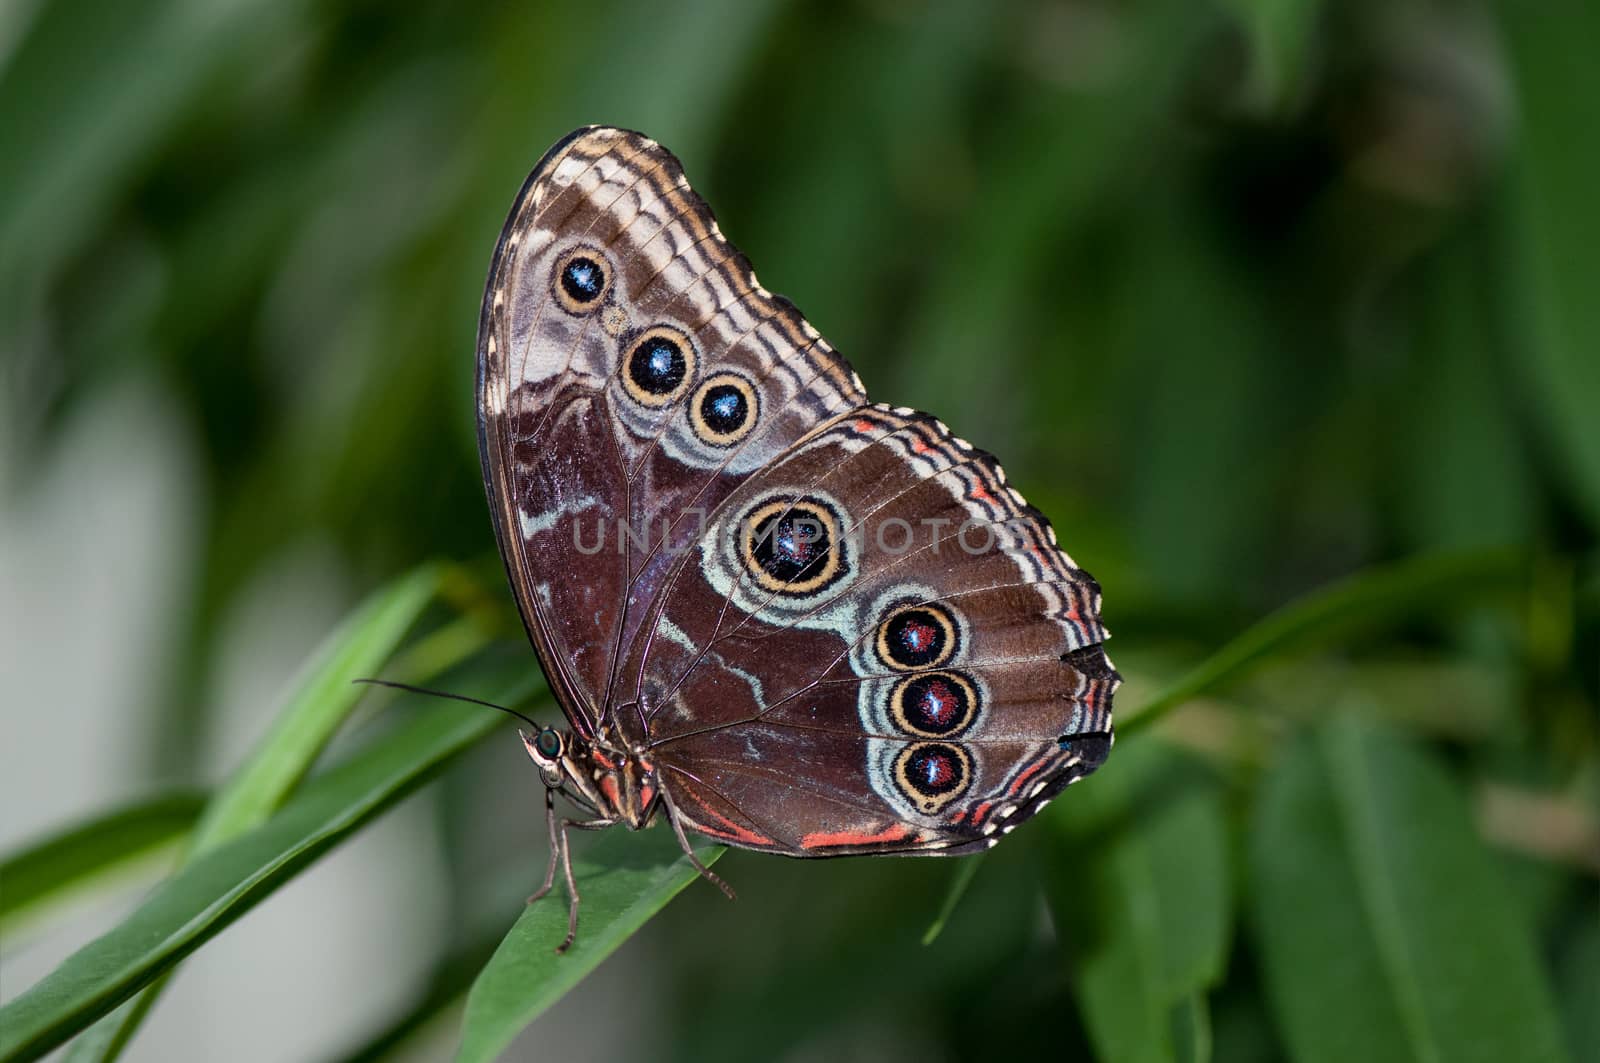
point(219, 886)
point(1556, 246)
point(1365, 600)
point(320, 701)
point(966, 871)
point(53, 869)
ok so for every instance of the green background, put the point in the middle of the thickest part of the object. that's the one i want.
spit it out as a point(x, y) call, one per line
point(1253, 297)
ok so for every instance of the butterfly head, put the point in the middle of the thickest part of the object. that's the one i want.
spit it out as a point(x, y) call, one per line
point(547, 748)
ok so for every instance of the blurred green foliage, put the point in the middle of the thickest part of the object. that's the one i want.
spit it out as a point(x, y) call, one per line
point(1251, 295)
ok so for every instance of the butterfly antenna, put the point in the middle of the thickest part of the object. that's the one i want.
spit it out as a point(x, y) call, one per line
point(453, 697)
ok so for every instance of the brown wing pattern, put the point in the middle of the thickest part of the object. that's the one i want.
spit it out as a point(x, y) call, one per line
point(925, 682)
point(631, 372)
point(831, 625)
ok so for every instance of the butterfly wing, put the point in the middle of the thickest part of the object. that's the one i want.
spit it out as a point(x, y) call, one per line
point(876, 647)
point(631, 373)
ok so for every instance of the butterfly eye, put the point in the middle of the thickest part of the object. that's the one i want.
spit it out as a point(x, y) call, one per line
point(724, 409)
point(933, 774)
point(549, 743)
point(658, 366)
point(918, 636)
point(582, 279)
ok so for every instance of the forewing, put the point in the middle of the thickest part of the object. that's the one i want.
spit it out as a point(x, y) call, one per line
point(631, 373)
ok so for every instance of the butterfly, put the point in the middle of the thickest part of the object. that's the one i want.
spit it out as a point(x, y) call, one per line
point(774, 612)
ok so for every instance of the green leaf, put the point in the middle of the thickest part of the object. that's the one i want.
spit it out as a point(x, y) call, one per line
point(77, 859)
point(1147, 918)
point(624, 879)
point(1369, 599)
point(1556, 252)
point(322, 698)
point(220, 885)
point(1384, 929)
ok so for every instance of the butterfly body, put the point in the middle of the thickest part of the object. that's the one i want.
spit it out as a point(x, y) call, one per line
point(774, 612)
point(606, 781)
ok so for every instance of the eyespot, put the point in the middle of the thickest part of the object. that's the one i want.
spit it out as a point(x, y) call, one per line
point(582, 279)
point(658, 366)
point(917, 637)
point(794, 547)
point(549, 743)
point(934, 704)
point(933, 774)
point(724, 409)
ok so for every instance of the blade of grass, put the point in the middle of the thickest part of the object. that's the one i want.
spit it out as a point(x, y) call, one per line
point(965, 871)
point(1366, 600)
point(625, 879)
point(223, 883)
point(50, 871)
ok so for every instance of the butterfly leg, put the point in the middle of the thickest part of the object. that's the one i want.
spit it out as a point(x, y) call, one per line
point(555, 846)
point(572, 883)
point(705, 872)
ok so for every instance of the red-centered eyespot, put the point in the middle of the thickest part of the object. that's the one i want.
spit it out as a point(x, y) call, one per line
point(934, 704)
point(933, 774)
point(918, 636)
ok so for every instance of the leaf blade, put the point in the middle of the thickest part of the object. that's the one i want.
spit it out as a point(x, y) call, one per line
point(74, 859)
point(966, 870)
point(220, 885)
point(1147, 920)
point(1369, 598)
point(321, 700)
point(1384, 930)
point(625, 881)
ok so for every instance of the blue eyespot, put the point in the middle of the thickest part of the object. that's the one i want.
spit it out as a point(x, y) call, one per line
point(581, 280)
point(725, 409)
point(658, 365)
